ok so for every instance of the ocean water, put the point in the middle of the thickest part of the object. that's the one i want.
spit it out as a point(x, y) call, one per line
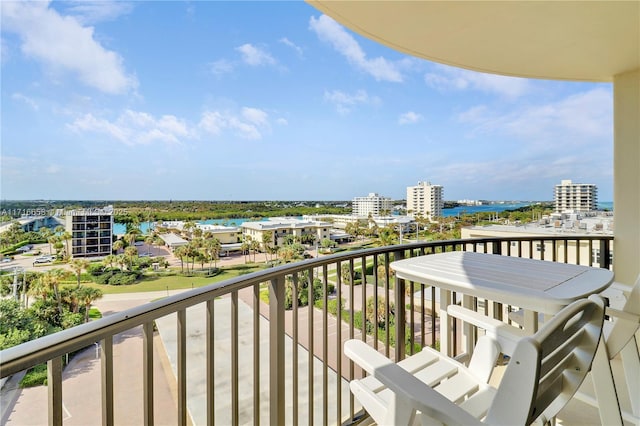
point(485, 208)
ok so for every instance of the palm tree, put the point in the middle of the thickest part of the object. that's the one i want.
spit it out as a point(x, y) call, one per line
point(181, 252)
point(213, 249)
point(87, 296)
point(77, 266)
point(118, 245)
point(121, 261)
point(255, 246)
point(130, 253)
point(131, 235)
point(267, 240)
point(149, 242)
point(109, 260)
point(66, 237)
point(46, 233)
point(246, 245)
point(51, 279)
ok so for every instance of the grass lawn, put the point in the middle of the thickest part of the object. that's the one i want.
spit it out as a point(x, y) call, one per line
point(177, 282)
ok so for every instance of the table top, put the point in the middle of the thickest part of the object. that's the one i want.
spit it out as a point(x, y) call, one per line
point(538, 285)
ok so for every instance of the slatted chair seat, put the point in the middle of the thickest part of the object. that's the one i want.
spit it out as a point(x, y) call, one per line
point(543, 374)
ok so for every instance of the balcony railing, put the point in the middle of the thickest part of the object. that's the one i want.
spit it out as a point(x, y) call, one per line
point(297, 374)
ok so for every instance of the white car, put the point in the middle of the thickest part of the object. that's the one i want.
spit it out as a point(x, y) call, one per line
point(44, 259)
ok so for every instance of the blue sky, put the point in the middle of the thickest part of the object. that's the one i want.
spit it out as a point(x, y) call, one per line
point(271, 101)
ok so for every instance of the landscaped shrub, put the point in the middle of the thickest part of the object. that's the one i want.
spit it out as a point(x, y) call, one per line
point(35, 377)
point(124, 278)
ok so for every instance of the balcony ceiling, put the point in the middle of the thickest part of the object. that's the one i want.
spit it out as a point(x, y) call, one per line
point(565, 40)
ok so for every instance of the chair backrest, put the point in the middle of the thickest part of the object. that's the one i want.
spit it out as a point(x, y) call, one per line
point(546, 369)
point(622, 331)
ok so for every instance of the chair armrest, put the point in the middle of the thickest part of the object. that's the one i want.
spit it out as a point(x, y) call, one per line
point(623, 315)
point(506, 335)
point(406, 387)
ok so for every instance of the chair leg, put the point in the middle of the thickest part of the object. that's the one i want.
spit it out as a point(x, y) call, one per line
point(604, 386)
point(631, 367)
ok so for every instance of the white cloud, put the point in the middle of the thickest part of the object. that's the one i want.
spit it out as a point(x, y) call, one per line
point(330, 31)
point(292, 45)
point(221, 66)
point(255, 56)
point(92, 11)
point(409, 117)
point(25, 99)
point(62, 43)
point(345, 102)
point(576, 119)
point(134, 127)
point(451, 78)
point(282, 122)
point(52, 169)
point(250, 123)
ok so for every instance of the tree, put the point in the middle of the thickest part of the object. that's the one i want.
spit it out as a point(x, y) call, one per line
point(180, 253)
point(267, 242)
point(88, 295)
point(130, 254)
point(109, 260)
point(118, 245)
point(77, 266)
point(51, 279)
point(46, 233)
point(386, 236)
point(149, 242)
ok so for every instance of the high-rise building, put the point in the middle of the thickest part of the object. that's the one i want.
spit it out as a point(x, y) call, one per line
point(575, 197)
point(425, 199)
point(91, 231)
point(372, 204)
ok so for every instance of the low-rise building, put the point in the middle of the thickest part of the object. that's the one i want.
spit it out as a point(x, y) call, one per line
point(224, 234)
point(553, 225)
point(283, 228)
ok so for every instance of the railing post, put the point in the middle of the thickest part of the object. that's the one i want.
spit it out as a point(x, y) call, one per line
point(605, 254)
point(399, 294)
point(276, 351)
point(54, 380)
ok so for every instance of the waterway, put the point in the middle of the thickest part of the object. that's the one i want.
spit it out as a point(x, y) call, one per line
point(120, 228)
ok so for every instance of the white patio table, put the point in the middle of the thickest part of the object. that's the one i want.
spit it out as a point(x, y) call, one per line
point(533, 285)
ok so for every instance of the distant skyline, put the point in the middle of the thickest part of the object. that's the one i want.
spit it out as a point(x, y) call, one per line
point(271, 101)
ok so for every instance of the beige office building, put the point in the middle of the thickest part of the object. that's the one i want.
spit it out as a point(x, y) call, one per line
point(425, 199)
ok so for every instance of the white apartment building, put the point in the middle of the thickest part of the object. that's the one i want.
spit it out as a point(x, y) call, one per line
point(282, 227)
point(575, 197)
point(425, 199)
point(91, 231)
point(372, 204)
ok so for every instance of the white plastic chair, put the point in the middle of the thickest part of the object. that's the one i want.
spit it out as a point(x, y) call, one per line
point(620, 337)
point(543, 374)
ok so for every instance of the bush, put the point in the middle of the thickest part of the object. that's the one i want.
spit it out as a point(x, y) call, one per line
point(36, 376)
point(123, 278)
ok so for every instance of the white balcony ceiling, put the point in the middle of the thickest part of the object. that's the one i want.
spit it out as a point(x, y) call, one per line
point(567, 40)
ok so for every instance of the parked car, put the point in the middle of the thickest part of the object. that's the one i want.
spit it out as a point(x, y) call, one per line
point(44, 259)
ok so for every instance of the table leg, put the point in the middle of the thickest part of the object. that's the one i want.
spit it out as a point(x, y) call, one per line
point(530, 321)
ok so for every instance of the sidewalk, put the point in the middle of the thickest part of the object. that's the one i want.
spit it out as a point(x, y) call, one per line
point(81, 381)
